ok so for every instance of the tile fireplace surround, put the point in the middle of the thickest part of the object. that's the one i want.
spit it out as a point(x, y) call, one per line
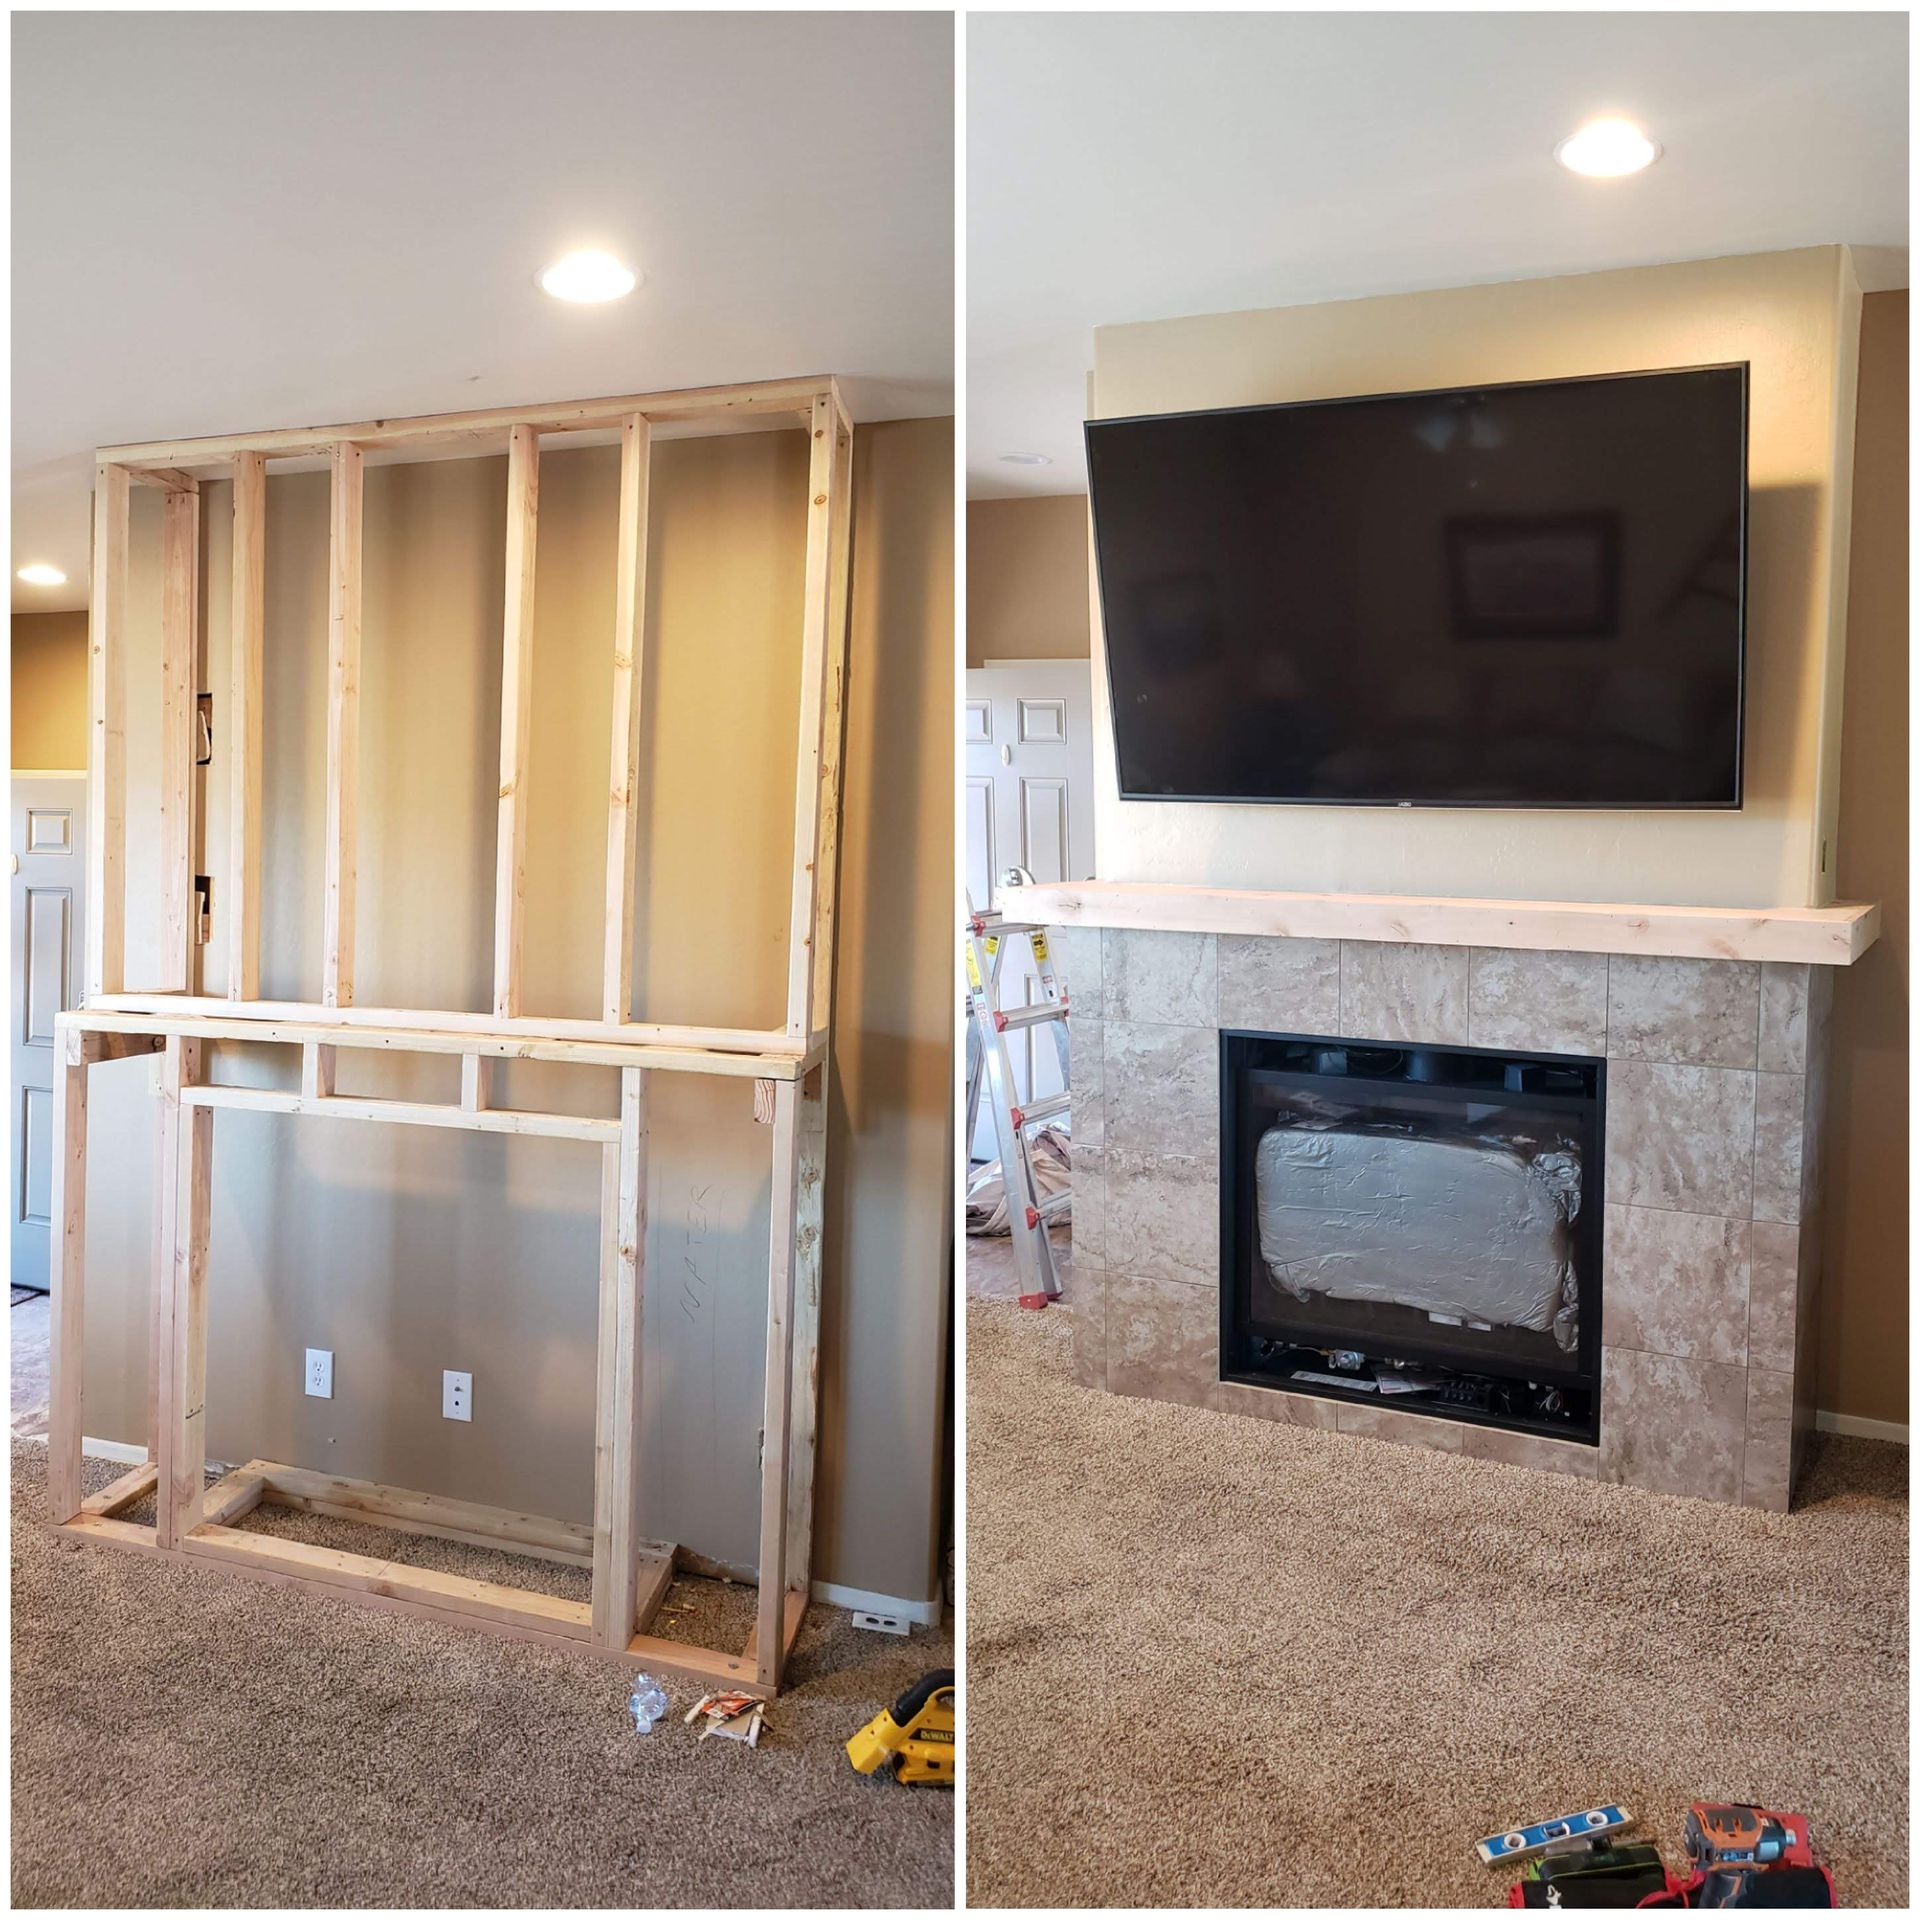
point(1716, 1088)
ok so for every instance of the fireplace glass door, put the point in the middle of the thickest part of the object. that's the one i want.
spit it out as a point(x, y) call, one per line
point(1415, 1227)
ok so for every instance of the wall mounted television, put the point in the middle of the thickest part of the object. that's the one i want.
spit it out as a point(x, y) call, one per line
point(1529, 595)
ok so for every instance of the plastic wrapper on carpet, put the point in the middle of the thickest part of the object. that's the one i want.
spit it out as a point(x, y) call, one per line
point(987, 1192)
point(1467, 1222)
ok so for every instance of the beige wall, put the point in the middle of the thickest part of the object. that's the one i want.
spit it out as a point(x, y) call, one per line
point(49, 659)
point(1863, 1332)
point(408, 1250)
point(1027, 579)
point(1794, 316)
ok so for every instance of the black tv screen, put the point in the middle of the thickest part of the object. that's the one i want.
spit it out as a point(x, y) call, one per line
point(1508, 596)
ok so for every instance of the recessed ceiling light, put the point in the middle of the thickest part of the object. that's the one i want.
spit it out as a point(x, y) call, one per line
point(42, 575)
point(1606, 149)
point(1027, 459)
point(589, 276)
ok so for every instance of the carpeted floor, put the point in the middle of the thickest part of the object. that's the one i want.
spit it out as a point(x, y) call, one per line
point(181, 1738)
point(1213, 1660)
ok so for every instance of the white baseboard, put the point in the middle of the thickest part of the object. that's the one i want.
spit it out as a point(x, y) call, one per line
point(923, 1613)
point(122, 1451)
point(1862, 1428)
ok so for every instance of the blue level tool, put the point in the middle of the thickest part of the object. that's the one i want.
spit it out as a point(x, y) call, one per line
point(1542, 1833)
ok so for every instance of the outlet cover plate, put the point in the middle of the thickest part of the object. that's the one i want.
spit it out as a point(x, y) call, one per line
point(320, 1373)
point(881, 1623)
point(456, 1395)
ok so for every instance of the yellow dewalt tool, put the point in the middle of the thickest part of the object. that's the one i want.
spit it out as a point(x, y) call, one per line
point(915, 1734)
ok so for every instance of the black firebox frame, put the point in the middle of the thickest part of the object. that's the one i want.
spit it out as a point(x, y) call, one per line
point(1572, 1086)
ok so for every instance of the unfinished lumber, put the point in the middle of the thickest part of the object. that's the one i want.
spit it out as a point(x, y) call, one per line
point(616, 1444)
point(67, 1278)
point(107, 736)
point(179, 645)
point(343, 722)
point(821, 495)
point(629, 653)
point(785, 1064)
point(246, 724)
point(516, 718)
point(776, 1420)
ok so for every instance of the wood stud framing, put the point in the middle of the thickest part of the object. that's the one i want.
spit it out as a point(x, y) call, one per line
point(785, 1066)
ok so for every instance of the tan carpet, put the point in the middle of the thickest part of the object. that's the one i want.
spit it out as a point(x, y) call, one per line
point(181, 1738)
point(1213, 1660)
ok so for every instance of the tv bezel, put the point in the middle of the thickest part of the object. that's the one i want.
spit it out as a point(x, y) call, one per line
point(1733, 805)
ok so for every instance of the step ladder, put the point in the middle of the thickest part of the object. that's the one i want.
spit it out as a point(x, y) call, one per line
point(990, 1075)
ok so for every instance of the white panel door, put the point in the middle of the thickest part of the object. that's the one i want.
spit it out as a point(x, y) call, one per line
point(1028, 731)
point(49, 862)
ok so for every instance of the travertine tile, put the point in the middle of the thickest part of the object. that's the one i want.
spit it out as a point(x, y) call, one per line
point(1409, 1429)
point(1087, 1220)
point(1767, 1479)
point(1163, 1217)
point(1680, 1137)
point(1672, 1426)
point(1268, 1403)
point(1773, 1296)
point(1676, 1283)
point(1783, 1016)
point(1537, 1002)
point(1702, 1013)
point(1088, 1114)
point(1280, 986)
point(1163, 1339)
point(1403, 992)
point(1161, 1088)
point(1087, 1298)
point(1076, 959)
point(1531, 1450)
point(1170, 979)
point(1778, 1125)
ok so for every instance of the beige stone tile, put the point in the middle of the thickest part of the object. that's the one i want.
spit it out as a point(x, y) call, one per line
point(1767, 1480)
point(1163, 1217)
point(1783, 1016)
point(1163, 1339)
point(1169, 979)
point(1530, 1450)
point(1272, 1403)
point(1773, 1296)
point(1409, 1429)
point(1778, 1129)
point(1160, 1089)
point(1537, 1002)
point(1702, 1013)
point(1403, 991)
point(1672, 1426)
point(1680, 1137)
point(1086, 1042)
point(1280, 986)
point(1076, 959)
point(1087, 1220)
point(1087, 1300)
point(1677, 1283)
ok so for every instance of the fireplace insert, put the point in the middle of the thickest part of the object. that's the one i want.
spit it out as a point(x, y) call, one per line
point(1412, 1226)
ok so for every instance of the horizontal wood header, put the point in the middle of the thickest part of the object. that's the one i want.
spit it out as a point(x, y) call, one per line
point(1818, 936)
point(173, 462)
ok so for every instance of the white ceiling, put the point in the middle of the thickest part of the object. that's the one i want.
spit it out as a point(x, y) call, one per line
point(224, 221)
point(1126, 167)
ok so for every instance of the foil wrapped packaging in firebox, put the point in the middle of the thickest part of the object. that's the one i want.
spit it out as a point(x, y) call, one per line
point(1468, 1223)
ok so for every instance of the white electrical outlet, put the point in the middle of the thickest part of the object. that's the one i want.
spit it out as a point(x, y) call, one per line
point(881, 1623)
point(456, 1396)
point(320, 1372)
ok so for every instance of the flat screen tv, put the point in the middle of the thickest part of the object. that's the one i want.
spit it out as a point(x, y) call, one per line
point(1530, 595)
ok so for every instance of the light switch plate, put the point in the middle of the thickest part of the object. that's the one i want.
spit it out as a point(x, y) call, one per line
point(456, 1396)
point(320, 1373)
